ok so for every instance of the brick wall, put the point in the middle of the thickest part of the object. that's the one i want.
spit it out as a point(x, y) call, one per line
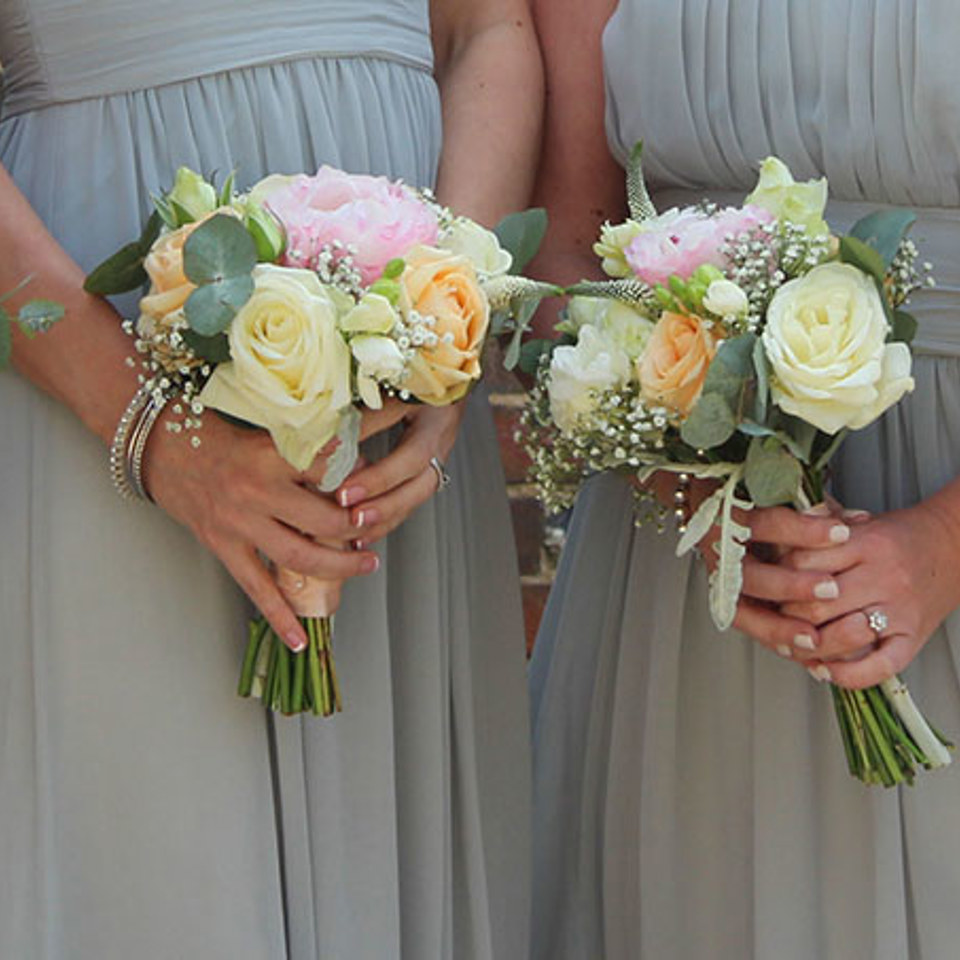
point(537, 542)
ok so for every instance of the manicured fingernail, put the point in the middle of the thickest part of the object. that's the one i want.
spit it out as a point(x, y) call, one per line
point(804, 641)
point(370, 564)
point(818, 510)
point(296, 641)
point(856, 514)
point(784, 651)
point(357, 544)
point(827, 590)
point(821, 673)
point(840, 533)
point(366, 518)
point(351, 495)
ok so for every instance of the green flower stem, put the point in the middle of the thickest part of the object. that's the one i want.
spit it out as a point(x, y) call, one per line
point(257, 631)
point(313, 654)
point(283, 665)
point(934, 747)
point(299, 675)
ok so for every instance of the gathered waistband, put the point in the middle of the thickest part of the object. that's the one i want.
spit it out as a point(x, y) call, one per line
point(78, 51)
point(937, 235)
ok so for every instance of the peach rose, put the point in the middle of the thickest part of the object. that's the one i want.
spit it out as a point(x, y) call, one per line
point(675, 364)
point(444, 286)
point(161, 310)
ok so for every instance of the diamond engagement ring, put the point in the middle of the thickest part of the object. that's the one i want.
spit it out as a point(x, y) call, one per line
point(877, 621)
point(443, 478)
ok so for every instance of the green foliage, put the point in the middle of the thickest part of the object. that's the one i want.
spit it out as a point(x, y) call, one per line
point(124, 271)
point(904, 327)
point(219, 257)
point(37, 316)
point(710, 424)
point(532, 352)
point(884, 231)
point(214, 349)
point(6, 338)
point(521, 234)
point(761, 366)
point(861, 255)
point(773, 475)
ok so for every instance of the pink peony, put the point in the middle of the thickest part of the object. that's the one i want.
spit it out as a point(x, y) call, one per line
point(679, 241)
point(381, 219)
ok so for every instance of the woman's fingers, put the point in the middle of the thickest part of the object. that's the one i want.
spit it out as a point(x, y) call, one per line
point(404, 463)
point(891, 656)
point(376, 518)
point(785, 636)
point(787, 528)
point(314, 514)
point(376, 421)
point(287, 548)
point(780, 584)
point(257, 583)
point(856, 589)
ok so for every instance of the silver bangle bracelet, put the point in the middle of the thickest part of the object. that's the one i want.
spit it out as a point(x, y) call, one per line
point(118, 448)
point(138, 444)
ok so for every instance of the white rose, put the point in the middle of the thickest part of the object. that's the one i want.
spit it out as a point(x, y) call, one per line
point(826, 341)
point(290, 369)
point(801, 203)
point(579, 372)
point(725, 299)
point(620, 323)
point(479, 245)
point(379, 360)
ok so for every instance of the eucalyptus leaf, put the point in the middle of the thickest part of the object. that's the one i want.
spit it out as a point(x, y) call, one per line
point(904, 327)
point(39, 315)
point(343, 458)
point(212, 349)
point(771, 473)
point(219, 249)
point(210, 309)
point(800, 437)
point(884, 231)
point(710, 423)
point(6, 338)
point(859, 254)
point(124, 271)
point(521, 234)
point(761, 366)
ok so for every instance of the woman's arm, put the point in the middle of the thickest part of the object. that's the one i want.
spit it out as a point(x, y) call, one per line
point(490, 76)
point(234, 492)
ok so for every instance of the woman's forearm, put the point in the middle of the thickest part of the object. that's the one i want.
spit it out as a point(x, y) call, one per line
point(82, 361)
point(491, 84)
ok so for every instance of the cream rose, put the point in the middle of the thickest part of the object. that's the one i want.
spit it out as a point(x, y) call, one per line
point(290, 369)
point(825, 339)
point(444, 286)
point(802, 203)
point(612, 245)
point(675, 364)
point(618, 322)
point(479, 245)
point(580, 373)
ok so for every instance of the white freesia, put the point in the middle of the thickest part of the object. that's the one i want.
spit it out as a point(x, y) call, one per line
point(726, 299)
point(614, 240)
point(479, 245)
point(379, 360)
point(373, 314)
point(620, 323)
point(290, 366)
point(578, 373)
point(825, 339)
point(801, 203)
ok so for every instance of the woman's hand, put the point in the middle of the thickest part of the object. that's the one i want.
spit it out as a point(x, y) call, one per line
point(240, 498)
point(902, 565)
point(384, 494)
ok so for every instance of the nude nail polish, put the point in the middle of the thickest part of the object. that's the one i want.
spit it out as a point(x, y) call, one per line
point(784, 651)
point(821, 673)
point(827, 590)
point(839, 533)
point(804, 641)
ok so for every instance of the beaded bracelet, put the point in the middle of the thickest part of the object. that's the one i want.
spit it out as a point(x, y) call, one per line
point(681, 502)
point(130, 442)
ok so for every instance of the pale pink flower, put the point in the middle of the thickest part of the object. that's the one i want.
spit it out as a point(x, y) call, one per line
point(381, 220)
point(679, 241)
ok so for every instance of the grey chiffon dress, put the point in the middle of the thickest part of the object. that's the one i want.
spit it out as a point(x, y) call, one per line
point(691, 794)
point(145, 811)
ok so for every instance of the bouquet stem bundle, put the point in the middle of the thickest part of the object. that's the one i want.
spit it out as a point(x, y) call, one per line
point(289, 682)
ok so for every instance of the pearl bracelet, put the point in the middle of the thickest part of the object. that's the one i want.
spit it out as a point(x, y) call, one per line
point(130, 442)
point(681, 502)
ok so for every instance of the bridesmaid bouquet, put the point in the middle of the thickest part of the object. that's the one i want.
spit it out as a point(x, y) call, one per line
point(737, 345)
point(297, 305)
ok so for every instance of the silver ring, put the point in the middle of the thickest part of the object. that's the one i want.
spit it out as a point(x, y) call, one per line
point(877, 621)
point(443, 478)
